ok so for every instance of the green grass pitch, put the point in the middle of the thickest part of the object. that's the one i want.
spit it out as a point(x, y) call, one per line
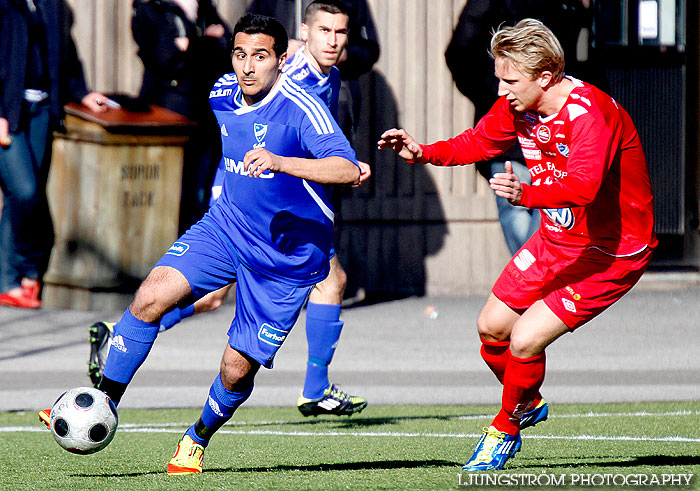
point(385, 447)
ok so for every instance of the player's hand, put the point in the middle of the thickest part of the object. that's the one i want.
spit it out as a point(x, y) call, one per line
point(365, 172)
point(95, 102)
point(258, 160)
point(507, 185)
point(402, 143)
point(5, 139)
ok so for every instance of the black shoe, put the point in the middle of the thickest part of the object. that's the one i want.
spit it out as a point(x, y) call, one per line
point(334, 401)
point(101, 334)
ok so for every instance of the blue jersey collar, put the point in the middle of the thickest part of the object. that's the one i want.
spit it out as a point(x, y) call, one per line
point(243, 109)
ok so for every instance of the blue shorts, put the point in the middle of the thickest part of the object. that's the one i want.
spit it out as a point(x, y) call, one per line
point(266, 310)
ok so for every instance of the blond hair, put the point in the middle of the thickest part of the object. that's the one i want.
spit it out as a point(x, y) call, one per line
point(531, 48)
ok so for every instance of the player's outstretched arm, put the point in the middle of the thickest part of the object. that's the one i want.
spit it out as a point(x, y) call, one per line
point(402, 143)
point(507, 185)
point(328, 170)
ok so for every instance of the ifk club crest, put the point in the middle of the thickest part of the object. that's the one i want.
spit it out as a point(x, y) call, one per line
point(260, 131)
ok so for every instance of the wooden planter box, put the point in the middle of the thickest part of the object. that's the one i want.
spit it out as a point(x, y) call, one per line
point(114, 191)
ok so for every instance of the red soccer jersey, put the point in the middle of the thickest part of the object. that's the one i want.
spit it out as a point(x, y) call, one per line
point(589, 174)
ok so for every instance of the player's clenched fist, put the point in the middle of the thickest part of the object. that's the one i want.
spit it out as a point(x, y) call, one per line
point(259, 160)
point(507, 185)
point(402, 143)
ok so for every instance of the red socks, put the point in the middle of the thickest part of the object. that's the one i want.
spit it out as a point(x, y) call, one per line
point(496, 355)
point(522, 380)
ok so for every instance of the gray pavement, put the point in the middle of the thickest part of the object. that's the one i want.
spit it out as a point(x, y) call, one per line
point(646, 347)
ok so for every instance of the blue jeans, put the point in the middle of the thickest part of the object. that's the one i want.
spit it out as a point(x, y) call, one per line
point(26, 233)
point(518, 223)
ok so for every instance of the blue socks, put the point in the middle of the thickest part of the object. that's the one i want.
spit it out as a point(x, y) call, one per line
point(175, 316)
point(220, 406)
point(133, 339)
point(323, 327)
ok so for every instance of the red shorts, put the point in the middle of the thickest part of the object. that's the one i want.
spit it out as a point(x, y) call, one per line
point(576, 284)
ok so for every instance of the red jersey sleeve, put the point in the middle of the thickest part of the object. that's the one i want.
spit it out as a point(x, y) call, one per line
point(494, 134)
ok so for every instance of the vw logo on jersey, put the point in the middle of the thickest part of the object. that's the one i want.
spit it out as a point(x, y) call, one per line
point(560, 216)
point(563, 149)
point(543, 134)
point(260, 131)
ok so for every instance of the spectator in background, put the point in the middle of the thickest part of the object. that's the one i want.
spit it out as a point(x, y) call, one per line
point(360, 55)
point(468, 59)
point(183, 45)
point(39, 72)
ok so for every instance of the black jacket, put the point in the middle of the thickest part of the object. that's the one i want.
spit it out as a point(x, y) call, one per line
point(179, 80)
point(66, 79)
point(468, 58)
point(467, 55)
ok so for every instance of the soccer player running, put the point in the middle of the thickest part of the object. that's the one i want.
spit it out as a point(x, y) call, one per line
point(270, 231)
point(313, 66)
point(324, 35)
point(589, 178)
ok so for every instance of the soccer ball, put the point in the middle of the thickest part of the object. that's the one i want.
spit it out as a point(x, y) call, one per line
point(84, 420)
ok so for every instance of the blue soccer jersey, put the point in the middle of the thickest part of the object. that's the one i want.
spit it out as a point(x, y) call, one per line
point(326, 87)
point(299, 69)
point(279, 225)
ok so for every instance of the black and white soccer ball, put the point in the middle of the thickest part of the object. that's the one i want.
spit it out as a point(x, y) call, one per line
point(84, 420)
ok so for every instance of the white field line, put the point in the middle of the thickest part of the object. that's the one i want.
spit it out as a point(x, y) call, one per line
point(179, 427)
point(408, 418)
point(147, 429)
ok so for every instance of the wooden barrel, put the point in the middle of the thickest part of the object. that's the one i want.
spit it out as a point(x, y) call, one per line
point(114, 191)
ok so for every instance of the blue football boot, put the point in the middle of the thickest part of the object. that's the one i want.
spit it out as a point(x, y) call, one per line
point(493, 450)
point(537, 415)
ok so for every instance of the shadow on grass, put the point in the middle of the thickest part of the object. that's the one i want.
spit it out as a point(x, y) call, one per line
point(347, 466)
point(355, 422)
point(642, 460)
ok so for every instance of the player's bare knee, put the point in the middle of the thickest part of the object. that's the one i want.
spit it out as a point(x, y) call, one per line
point(330, 291)
point(523, 346)
point(147, 305)
point(238, 371)
point(162, 289)
point(232, 377)
point(339, 280)
point(489, 329)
